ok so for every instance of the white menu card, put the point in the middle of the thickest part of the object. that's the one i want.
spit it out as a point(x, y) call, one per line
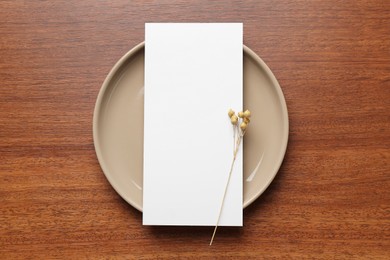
point(193, 76)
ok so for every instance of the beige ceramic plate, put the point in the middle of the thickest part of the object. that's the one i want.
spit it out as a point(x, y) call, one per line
point(118, 126)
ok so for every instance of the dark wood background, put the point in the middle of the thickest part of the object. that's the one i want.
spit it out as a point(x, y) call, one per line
point(331, 198)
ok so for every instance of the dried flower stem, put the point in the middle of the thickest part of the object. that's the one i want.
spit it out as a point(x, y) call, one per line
point(237, 142)
point(240, 124)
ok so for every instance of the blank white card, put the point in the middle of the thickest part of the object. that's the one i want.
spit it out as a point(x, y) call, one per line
point(193, 76)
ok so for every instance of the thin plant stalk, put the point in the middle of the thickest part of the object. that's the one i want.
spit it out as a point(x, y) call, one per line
point(236, 147)
point(239, 129)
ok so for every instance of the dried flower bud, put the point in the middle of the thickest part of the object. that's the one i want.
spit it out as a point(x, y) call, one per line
point(234, 119)
point(247, 113)
point(240, 114)
point(247, 120)
point(243, 126)
point(231, 112)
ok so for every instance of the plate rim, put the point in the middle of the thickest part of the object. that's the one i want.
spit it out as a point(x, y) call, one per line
point(123, 60)
point(280, 94)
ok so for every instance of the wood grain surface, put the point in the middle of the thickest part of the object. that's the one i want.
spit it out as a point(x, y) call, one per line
point(330, 199)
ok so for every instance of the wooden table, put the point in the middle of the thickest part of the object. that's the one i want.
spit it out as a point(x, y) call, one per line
point(331, 197)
